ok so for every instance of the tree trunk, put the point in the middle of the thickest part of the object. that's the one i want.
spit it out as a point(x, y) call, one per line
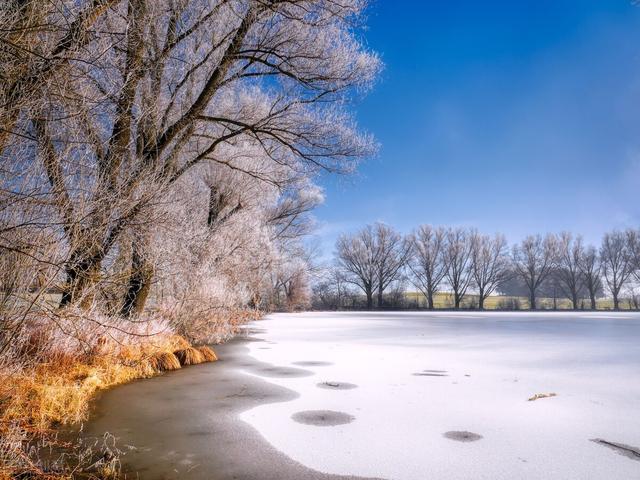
point(532, 299)
point(574, 300)
point(138, 285)
point(616, 303)
point(456, 301)
point(430, 301)
point(72, 286)
point(593, 300)
point(369, 299)
point(82, 271)
point(481, 300)
point(379, 297)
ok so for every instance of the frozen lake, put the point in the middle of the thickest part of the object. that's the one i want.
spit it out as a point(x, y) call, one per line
point(403, 396)
point(421, 375)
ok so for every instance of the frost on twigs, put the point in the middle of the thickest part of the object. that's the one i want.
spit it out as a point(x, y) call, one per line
point(159, 163)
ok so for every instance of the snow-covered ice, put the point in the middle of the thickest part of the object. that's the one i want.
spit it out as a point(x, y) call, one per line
point(482, 369)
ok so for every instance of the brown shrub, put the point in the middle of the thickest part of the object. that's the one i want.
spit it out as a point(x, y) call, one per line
point(164, 361)
point(208, 353)
point(189, 356)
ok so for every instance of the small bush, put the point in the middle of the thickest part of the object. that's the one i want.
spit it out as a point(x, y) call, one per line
point(208, 353)
point(164, 362)
point(189, 356)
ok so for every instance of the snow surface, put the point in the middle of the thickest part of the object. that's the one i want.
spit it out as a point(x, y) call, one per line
point(494, 362)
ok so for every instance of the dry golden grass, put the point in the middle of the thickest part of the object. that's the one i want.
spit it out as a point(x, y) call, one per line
point(189, 356)
point(58, 390)
point(48, 388)
point(164, 362)
point(208, 353)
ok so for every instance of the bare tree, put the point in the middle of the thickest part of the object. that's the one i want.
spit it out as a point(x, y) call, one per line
point(457, 258)
point(338, 280)
point(391, 256)
point(569, 273)
point(534, 260)
point(121, 100)
point(290, 215)
point(39, 40)
point(357, 256)
point(633, 245)
point(489, 264)
point(426, 260)
point(589, 265)
point(331, 289)
point(292, 280)
point(616, 263)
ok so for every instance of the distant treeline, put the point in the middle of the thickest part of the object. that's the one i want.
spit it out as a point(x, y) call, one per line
point(454, 267)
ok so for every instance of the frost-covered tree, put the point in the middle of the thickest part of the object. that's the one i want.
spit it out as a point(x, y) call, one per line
point(117, 107)
point(391, 257)
point(570, 277)
point(590, 269)
point(616, 262)
point(533, 260)
point(489, 264)
point(331, 289)
point(372, 259)
point(426, 261)
point(356, 255)
point(457, 258)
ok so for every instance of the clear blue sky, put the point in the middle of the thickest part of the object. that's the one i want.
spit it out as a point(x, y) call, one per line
point(512, 116)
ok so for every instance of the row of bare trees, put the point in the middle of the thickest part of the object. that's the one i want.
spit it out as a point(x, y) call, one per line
point(459, 261)
point(159, 155)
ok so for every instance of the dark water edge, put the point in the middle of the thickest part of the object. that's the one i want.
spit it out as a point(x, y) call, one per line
point(184, 424)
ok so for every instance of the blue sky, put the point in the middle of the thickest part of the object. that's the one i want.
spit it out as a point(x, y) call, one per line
point(510, 116)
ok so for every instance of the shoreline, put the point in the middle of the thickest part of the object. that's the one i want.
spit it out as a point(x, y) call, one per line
point(231, 419)
point(151, 423)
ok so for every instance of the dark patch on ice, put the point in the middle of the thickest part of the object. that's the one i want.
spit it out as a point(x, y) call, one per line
point(462, 436)
point(286, 372)
point(620, 448)
point(434, 371)
point(137, 414)
point(429, 374)
point(312, 363)
point(336, 385)
point(322, 418)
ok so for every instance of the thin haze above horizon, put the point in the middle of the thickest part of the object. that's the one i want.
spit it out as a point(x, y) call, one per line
point(512, 117)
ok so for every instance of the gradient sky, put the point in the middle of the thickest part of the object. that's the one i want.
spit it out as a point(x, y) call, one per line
point(511, 116)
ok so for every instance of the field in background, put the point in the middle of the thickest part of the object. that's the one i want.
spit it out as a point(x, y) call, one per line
point(497, 302)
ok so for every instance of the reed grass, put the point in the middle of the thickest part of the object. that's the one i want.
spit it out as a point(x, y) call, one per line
point(189, 356)
point(208, 353)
